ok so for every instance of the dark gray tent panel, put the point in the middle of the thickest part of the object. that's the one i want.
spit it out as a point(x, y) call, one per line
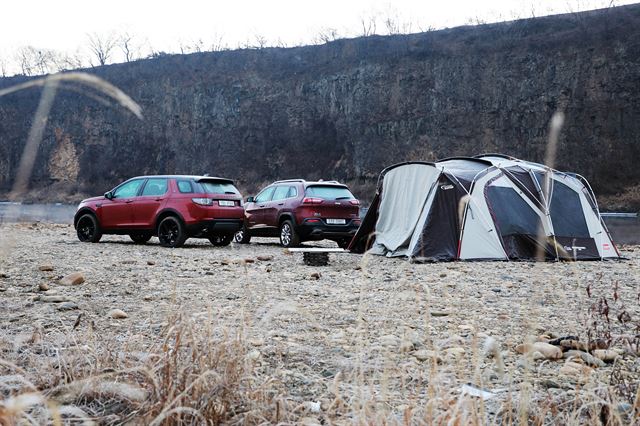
point(487, 207)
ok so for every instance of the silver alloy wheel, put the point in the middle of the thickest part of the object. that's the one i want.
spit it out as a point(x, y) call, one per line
point(285, 234)
point(239, 236)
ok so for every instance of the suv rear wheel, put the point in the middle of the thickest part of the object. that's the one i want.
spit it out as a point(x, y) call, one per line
point(171, 232)
point(242, 236)
point(288, 235)
point(140, 237)
point(220, 240)
point(88, 229)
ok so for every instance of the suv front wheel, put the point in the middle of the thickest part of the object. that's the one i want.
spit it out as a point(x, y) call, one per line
point(242, 236)
point(288, 235)
point(88, 229)
point(171, 232)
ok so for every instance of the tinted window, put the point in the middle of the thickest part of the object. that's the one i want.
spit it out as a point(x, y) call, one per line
point(566, 212)
point(293, 192)
point(265, 195)
point(129, 189)
point(155, 187)
point(213, 187)
point(329, 192)
point(512, 214)
point(184, 186)
point(280, 193)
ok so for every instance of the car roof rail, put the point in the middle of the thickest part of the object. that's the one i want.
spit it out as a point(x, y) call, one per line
point(290, 180)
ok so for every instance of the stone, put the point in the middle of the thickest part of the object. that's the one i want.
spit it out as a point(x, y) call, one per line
point(118, 314)
point(73, 279)
point(53, 299)
point(249, 260)
point(67, 306)
point(46, 268)
point(315, 275)
point(389, 340)
point(586, 357)
point(424, 354)
point(606, 355)
point(264, 258)
point(454, 353)
point(43, 287)
point(440, 313)
point(547, 350)
point(150, 262)
point(253, 355)
point(256, 342)
point(406, 346)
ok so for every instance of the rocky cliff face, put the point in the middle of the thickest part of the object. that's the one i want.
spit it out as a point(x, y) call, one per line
point(347, 109)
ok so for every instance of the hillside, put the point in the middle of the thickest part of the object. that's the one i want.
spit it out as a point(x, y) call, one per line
point(347, 109)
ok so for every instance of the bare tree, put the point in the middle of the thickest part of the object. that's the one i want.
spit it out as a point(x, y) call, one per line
point(327, 35)
point(261, 41)
point(130, 49)
point(218, 44)
point(101, 46)
point(368, 26)
point(3, 67)
point(35, 61)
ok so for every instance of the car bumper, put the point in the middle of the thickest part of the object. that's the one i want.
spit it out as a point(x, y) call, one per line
point(322, 230)
point(214, 226)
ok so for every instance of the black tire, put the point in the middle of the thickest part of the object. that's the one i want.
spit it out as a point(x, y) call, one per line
point(171, 232)
point(343, 243)
point(88, 229)
point(140, 237)
point(288, 235)
point(242, 236)
point(221, 240)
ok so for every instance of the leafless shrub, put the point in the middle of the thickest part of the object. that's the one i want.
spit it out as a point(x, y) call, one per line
point(102, 46)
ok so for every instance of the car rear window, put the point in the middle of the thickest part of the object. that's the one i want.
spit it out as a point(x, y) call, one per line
point(329, 192)
point(218, 187)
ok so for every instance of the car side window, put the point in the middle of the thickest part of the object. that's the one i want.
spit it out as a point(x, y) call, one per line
point(129, 189)
point(155, 186)
point(185, 187)
point(280, 193)
point(265, 195)
point(293, 192)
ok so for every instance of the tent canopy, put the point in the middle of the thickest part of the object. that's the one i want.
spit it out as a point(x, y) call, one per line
point(486, 207)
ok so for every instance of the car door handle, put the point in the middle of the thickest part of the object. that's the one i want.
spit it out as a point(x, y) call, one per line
point(129, 201)
point(281, 204)
point(261, 205)
point(159, 199)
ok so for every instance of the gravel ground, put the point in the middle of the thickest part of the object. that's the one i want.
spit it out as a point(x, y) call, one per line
point(371, 326)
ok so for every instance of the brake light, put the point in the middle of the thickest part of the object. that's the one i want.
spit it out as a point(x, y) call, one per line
point(312, 200)
point(313, 220)
point(203, 201)
point(355, 202)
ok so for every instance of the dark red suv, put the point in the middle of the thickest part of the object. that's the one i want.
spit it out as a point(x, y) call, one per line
point(173, 208)
point(297, 211)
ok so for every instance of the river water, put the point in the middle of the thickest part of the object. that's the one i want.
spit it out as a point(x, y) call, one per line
point(625, 229)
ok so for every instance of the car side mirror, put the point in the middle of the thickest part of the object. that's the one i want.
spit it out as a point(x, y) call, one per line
point(250, 199)
point(108, 195)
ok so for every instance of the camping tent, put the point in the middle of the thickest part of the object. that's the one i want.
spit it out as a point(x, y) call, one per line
point(486, 207)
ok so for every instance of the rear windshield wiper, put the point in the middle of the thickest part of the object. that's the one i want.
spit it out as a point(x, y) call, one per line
point(343, 198)
point(230, 192)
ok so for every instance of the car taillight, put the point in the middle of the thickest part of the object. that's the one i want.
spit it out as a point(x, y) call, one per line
point(312, 200)
point(357, 222)
point(355, 202)
point(203, 201)
point(313, 220)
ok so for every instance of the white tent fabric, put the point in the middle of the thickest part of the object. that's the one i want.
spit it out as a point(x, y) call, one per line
point(405, 190)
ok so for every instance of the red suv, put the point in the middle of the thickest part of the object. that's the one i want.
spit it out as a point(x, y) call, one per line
point(297, 211)
point(173, 208)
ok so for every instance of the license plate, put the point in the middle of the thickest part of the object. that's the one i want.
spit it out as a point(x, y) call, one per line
point(226, 203)
point(336, 221)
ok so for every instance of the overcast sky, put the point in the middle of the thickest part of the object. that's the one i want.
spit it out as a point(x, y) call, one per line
point(165, 25)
